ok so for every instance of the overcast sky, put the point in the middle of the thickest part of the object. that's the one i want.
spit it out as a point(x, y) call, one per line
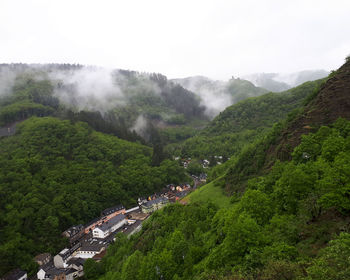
point(178, 38)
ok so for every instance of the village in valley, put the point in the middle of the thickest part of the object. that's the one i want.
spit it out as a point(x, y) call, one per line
point(90, 241)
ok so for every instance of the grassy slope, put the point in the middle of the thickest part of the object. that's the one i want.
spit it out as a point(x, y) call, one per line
point(209, 193)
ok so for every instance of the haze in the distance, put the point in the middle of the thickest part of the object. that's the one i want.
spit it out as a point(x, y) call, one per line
point(180, 38)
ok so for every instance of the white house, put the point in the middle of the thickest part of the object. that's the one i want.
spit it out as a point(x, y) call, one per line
point(108, 227)
point(89, 250)
point(60, 260)
point(78, 265)
point(71, 273)
point(50, 272)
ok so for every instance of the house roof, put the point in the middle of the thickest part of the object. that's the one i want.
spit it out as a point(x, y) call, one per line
point(156, 201)
point(70, 271)
point(110, 223)
point(65, 253)
point(14, 274)
point(51, 271)
point(112, 210)
point(182, 194)
point(42, 257)
point(76, 261)
point(99, 256)
point(54, 272)
point(92, 221)
point(73, 230)
point(96, 247)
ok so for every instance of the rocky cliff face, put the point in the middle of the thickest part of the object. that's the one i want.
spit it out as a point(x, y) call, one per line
point(331, 102)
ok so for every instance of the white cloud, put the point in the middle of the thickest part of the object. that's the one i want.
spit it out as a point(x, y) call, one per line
point(215, 38)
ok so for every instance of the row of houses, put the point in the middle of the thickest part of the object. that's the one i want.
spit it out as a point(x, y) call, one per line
point(75, 233)
point(91, 240)
point(205, 162)
point(171, 193)
point(155, 204)
point(73, 269)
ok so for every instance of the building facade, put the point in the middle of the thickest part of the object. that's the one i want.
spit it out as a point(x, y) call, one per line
point(153, 205)
point(110, 226)
point(60, 260)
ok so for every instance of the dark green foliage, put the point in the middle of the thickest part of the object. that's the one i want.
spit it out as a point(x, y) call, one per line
point(171, 244)
point(107, 124)
point(37, 93)
point(184, 101)
point(333, 261)
point(195, 168)
point(242, 89)
point(57, 173)
point(157, 100)
point(54, 174)
point(29, 98)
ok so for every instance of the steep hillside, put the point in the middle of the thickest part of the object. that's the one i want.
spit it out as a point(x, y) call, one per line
point(331, 102)
point(326, 105)
point(243, 122)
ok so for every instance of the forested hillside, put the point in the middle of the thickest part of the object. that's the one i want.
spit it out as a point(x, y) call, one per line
point(55, 174)
point(291, 219)
point(245, 122)
point(288, 192)
point(323, 107)
point(123, 95)
point(217, 95)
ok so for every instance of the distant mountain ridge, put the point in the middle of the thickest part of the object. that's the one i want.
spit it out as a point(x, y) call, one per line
point(217, 95)
point(277, 82)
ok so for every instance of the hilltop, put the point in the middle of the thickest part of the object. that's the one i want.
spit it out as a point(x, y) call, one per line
point(279, 82)
point(217, 95)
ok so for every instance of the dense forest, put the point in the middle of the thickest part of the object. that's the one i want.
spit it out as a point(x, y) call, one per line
point(284, 191)
point(54, 174)
point(64, 163)
point(288, 216)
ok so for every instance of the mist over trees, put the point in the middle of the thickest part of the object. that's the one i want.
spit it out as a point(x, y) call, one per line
point(277, 82)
